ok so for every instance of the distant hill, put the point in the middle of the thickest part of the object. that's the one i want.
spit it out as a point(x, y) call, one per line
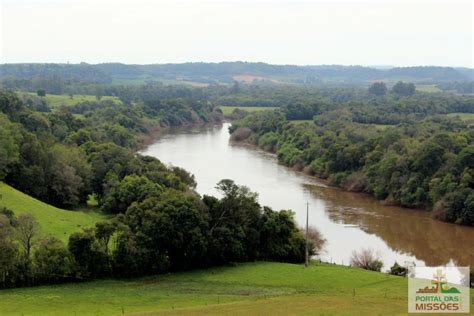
point(228, 72)
point(68, 72)
point(468, 72)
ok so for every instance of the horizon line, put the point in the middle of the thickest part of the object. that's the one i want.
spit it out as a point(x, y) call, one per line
point(376, 66)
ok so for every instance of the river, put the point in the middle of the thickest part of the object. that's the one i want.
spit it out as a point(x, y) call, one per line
point(348, 221)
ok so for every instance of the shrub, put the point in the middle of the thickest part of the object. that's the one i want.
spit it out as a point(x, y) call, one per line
point(241, 134)
point(315, 238)
point(399, 270)
point(366, 259)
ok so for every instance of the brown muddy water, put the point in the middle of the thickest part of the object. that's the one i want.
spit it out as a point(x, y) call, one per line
point(348, 221)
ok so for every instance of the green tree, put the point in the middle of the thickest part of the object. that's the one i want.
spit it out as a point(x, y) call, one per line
point(173, 227)
point(131, 189)
point(27, 231)
point(378, 89)
point(404, 89)
point(90, 260)
point(104, 232)
point(52, 262)
point(9, 149)
point(8, 253)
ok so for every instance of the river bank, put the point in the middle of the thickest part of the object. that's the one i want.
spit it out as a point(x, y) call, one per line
point(245, 137)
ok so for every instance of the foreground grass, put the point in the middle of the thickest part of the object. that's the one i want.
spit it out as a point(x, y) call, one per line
point(55, 101)
point(54, 221)
point(247, 289)
point(227, 110)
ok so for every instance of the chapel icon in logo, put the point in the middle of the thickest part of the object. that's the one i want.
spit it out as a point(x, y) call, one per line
point(441, 286)
point(438, 290)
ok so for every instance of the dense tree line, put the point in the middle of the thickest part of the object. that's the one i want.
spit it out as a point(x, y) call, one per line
point(377, 104)
point(226, 72)
point(424, 163)
point(458, 86)
point(61, 158)
point(400, 104)
point(65, 72)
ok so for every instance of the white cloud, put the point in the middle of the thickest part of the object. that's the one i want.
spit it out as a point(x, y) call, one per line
point(293, 32)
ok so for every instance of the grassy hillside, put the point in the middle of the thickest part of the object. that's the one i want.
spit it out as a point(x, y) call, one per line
point(54, 221)
point(247, 289)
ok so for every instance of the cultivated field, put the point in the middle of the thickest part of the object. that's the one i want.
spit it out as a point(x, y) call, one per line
point(227, 110)
point(463, 116)
point(55, 101)
point(301, 121)
point(54, 221)
point(429, 88)
point(246, 289)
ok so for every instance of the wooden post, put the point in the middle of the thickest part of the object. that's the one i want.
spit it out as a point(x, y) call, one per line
point(306, 261)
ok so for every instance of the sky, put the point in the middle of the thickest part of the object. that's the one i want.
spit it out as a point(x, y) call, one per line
point(301, 32)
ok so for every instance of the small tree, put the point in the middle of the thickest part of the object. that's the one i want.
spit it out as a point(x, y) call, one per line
point(41, 93)
point(52, 261)
point(404, 89)
point(27, 232)
point(103, 233)
point(8, 251)
point(399, 270)
point(316, 239)
point(366, 259)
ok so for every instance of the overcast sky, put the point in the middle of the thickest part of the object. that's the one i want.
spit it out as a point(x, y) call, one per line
point(402, 33)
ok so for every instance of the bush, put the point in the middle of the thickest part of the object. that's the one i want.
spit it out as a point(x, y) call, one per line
point(397, 269)
point(356, 182)
point(315, 238)
point(366, 259)
point(53, 262)
point(268, 141)
point(241, 134)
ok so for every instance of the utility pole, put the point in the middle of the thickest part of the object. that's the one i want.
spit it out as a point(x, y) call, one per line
point(306, 261)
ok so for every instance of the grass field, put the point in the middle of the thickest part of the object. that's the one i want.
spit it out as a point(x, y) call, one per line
point(378, 126)
point(55, 101)
point(227, 110)
point(429, 88)
point(128, 82)
point(301, 121)
point(247, 289)
point(463, 116)
point(54, 221)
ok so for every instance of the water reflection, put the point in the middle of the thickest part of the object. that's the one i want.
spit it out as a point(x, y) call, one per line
point(411, 232)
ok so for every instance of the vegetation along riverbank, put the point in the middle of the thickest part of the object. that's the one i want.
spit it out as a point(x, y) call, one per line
point(401, 148)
